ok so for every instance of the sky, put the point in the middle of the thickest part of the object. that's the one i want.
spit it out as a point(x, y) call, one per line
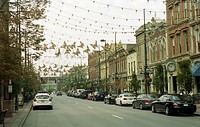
point(86, 22)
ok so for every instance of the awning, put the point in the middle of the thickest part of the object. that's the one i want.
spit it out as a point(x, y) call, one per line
point(196, 69)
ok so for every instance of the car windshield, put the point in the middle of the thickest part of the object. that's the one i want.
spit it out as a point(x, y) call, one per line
point(42, 97)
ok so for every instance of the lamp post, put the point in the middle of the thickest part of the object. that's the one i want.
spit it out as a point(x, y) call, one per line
point(105, 63)
point(116, 73)
point(145, 59)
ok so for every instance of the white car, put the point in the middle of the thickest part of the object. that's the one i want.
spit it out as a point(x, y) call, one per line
point(125, 99)
point(42, 100)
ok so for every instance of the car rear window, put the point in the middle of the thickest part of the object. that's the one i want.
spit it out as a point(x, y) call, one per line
point(42, 97)
point(128, 95)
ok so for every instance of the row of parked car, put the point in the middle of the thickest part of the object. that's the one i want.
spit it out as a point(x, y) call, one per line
point(170, 104)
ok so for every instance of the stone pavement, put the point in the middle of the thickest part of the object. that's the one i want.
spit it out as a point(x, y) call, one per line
point(20, 116)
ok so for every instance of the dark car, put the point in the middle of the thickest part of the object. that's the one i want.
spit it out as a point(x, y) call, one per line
point(99, 96)
point(85, 93)
point(110, 98)
point(143, 101)
point(173, 104)
point(59, 93)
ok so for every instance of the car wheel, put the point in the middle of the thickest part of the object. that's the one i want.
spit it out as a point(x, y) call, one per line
point(120, 103)
point(167, 111)
point(109, 101)
point(190, 113)
point(153, 108)
point(133, 104)
point(105, 101)
point(34, 108)
point(51, 108)
point(141, 107)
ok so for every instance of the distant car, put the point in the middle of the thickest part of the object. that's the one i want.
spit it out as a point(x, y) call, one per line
point(42, 100)
point(173, 104)
point(143, 101)
point(78, 92)
point(110, 98)
point(59, 93)
point(99, 96)
point(90, 96)
point(85, 93)
point(125, 99)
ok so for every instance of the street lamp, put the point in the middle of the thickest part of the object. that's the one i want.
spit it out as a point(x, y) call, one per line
point(102, 40)
point(145, 59)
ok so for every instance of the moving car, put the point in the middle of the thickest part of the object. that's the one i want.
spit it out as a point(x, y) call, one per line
point(110, 98)
point(59, 93)
point(143, 101)
point(42, 100)
point(125, 99)
point(173, 104)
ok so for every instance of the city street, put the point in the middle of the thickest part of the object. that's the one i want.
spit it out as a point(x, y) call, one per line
point(73, 112)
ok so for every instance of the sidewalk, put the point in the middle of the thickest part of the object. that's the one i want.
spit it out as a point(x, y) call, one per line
point(19, 117)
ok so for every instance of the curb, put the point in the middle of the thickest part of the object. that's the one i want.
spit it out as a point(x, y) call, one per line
point(24, 118)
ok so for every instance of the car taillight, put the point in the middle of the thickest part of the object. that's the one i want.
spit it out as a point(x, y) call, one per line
point(50, 99)
point(147, 101)
point(125, 98)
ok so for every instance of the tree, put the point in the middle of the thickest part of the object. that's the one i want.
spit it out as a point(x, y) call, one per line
point(135, 83)
point(184, 77)
point(158, 78)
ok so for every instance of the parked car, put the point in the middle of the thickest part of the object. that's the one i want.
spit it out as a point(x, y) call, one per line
point(78, 92)
point(42, 100)
point(125, 99)
point(99, 96)
point(143, 101)
point(110, 98)
point(173, 104)
point(90, 96)
point(85, 93)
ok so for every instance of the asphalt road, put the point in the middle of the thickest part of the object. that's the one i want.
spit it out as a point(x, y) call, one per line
point(73, 112)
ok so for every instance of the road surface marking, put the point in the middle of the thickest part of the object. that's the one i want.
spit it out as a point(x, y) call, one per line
point(90, 107)
point(117, 117)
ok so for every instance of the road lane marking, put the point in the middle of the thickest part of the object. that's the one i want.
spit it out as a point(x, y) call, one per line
point(117, 117)
point(90, 107)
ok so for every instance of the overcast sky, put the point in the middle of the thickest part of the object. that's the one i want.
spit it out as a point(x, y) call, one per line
point(89, 21)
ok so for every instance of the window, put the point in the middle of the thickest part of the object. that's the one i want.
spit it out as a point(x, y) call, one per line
point(198, 39)
point(197, 7)
point(179, 43)
point(186, 41)
point(172, 16)
point(173, 46)
point(178, 12)
point(185, 8)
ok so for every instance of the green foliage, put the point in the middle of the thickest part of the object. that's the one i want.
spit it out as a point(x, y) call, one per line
point(158, 78)
point(135, 83)
point(184, 76)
